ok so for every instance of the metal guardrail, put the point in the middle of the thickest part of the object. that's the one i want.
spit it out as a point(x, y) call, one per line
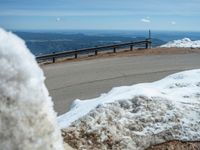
point(94, 50)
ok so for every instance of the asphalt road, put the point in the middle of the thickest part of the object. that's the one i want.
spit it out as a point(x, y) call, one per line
point(88, 79)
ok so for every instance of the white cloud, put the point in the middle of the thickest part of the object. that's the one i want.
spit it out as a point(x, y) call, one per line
point(65, 13)
point(173, 23)
point(146, 20)
point(57, 19)
point(32, 12)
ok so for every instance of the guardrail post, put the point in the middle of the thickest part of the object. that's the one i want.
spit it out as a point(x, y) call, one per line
point(114, 50)
point(147, 44)
point(53, 58)
point(131, 47)
point(96, 52)
point(76, 55)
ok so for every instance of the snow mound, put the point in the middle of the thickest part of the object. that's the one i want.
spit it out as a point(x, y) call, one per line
point(135, 117)
point(184, 43)
point(27, 118)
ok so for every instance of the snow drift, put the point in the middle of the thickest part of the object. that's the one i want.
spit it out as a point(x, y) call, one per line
point(27, 118)
point(135, 117)
point(184, 43)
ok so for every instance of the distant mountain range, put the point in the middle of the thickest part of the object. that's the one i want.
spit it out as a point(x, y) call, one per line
point(45, 43)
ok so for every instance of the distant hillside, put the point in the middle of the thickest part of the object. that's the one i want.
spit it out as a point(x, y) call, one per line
point(44, 43)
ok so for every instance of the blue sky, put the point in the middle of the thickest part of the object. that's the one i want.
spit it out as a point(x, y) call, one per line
point(100, 14)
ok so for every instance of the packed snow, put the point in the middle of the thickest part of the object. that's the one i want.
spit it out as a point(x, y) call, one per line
point(135, 117)
point(184, 43)
point(27, 118)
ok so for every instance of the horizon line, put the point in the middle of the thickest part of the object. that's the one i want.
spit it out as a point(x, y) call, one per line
point(156, 30)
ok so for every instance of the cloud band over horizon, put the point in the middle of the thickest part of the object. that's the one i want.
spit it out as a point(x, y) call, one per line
point(95, 14)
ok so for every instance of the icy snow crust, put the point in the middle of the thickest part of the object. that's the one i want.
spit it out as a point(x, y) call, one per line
point(184, 43)
point(27, 119)
point(135, 117)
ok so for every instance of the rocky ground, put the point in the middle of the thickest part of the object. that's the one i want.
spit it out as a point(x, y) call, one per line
point(139, 116)
point(176, 145)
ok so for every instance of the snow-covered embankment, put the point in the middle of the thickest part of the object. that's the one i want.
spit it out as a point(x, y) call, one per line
point(183, 43)
point(27, 118)
point(135, 117)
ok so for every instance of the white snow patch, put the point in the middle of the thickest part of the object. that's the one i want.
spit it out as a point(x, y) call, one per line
point(135, 117)
point(27, 118)
point(184, 43)
point(180, 88)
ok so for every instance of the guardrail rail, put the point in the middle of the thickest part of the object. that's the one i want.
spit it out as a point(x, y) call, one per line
point(95, 50)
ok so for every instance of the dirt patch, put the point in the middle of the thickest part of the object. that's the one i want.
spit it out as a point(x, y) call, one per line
point(176, 145)
point(128, 53)
point(133, 124)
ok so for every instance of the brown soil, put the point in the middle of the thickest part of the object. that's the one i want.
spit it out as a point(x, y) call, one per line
point(176, 145)
point(128, 53)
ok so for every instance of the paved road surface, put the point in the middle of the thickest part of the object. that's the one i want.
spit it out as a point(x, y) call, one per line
point(88, 79)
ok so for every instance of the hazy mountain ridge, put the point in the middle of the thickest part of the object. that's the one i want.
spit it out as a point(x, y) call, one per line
point(44, 43)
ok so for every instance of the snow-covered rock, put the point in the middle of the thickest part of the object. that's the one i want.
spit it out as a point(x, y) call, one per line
point(135, 117)
point(27, 118)
point(184, 43)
